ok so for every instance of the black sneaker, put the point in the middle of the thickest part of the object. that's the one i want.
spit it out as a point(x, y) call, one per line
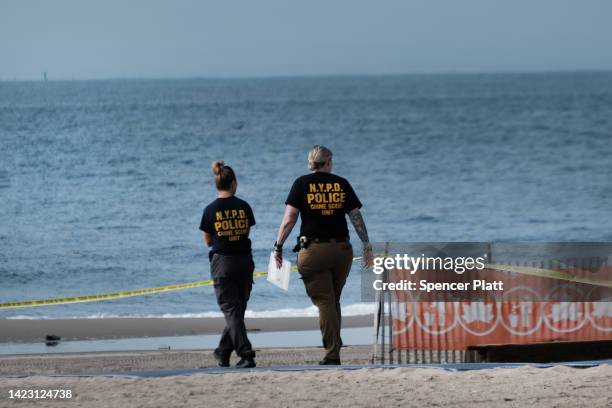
point(222, 361)
point(246, 363)
point(329, 362)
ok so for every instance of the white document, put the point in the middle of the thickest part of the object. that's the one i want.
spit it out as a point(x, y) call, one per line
point(279, 277)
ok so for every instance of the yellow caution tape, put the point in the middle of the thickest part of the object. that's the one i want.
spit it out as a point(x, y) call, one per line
point(105, 296)
point(525, 270)
point(121, 294)
point(552, 274)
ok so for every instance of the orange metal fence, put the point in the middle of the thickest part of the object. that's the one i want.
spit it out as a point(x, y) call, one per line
point(431, 329)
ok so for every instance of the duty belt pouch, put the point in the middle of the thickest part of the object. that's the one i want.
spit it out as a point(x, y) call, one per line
point(302, 243)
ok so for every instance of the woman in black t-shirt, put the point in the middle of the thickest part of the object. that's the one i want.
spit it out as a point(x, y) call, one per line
point(325, 256)
point(226, 224)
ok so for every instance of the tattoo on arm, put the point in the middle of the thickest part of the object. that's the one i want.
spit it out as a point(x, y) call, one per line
point(359, 224)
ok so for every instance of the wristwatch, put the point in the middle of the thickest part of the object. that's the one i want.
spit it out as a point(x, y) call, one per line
point(277, 247)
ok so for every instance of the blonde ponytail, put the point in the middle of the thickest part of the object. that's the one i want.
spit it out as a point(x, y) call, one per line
point(318, 156)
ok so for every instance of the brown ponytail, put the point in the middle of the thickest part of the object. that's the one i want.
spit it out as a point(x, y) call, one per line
point(224, 175)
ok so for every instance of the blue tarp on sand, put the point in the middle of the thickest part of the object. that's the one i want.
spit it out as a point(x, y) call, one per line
point(219, 370)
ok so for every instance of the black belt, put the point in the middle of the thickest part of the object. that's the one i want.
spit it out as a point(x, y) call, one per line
point(325, 240)
point(303, 242)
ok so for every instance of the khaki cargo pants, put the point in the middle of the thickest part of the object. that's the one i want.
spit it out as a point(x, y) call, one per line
point(324, 268)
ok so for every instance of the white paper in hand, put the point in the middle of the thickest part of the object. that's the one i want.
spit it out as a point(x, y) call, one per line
point(279, 277)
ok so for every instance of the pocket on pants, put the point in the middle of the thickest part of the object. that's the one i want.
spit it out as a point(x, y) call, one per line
point(303, 264)
point(216, 267)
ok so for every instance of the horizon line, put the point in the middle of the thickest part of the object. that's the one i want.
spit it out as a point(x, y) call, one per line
point(307, 76)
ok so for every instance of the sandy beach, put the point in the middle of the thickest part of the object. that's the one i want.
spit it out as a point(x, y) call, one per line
point(62, 363)
point(368, 387)
point(34, 330)
point(558, 386)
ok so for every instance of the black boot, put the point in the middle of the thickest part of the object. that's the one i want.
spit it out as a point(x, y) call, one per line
point(326, 361)
point(246, 363)
point(222, 360)
point(247, 359)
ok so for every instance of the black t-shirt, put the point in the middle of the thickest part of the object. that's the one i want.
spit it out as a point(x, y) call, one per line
point(323, 200)
point(228, 220)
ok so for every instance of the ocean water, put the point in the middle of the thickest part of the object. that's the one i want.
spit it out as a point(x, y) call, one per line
point(103, 183)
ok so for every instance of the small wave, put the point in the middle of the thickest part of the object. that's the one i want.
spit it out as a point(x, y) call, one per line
point(81, 176)
point(579, 228)
point(238, 125)
point(423, 218)
point(536, 221)
point(124, 173)
point(357, 309)
point(5, 181)
point(118, 227)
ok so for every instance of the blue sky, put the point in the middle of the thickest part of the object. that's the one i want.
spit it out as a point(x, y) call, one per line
point(153, 39)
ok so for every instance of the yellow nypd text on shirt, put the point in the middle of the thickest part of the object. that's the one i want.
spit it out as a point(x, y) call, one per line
point(232, 224)
point(325, 197)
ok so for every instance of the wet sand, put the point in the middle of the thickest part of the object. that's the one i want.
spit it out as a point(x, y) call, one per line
point(18, 330)
point(62, 363)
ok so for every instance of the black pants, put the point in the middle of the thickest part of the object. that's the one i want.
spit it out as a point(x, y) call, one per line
point(233, 280)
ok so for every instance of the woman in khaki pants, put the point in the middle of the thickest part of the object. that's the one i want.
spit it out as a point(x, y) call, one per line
point(325, 253)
